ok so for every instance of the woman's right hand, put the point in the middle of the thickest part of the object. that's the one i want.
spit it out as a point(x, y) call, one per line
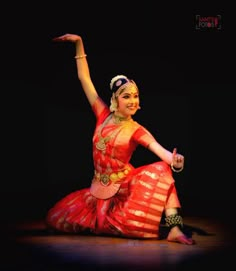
point(68, 37)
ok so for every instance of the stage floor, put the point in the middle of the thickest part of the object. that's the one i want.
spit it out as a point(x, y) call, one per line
point(29, 246)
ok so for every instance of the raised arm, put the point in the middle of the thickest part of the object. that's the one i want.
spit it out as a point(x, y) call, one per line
point(82, 65)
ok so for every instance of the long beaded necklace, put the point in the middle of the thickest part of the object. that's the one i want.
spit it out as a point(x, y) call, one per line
point(101, 144)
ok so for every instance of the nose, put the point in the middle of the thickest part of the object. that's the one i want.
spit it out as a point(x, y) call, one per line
point(133, 100)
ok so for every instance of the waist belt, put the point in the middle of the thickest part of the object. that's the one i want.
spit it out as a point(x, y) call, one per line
point(113, 177)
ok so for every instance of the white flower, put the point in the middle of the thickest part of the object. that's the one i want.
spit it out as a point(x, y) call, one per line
point(114, 79)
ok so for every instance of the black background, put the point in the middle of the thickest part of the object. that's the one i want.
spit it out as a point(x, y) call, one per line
point(186, 82)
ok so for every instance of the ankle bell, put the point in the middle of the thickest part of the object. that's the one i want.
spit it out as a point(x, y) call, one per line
point(174, 220)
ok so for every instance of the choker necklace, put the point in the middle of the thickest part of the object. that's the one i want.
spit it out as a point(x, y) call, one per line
point(119, 119)
point(101, 144)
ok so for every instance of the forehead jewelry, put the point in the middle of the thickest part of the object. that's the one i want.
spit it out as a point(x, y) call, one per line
point(127, 86)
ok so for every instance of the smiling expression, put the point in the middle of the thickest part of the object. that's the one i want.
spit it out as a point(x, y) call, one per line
point(128, 100)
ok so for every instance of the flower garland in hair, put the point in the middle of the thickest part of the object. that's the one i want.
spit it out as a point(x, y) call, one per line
point(113, 105)
point(114, 79)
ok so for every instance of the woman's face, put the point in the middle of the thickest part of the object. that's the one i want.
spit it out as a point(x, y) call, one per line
point(128, 101)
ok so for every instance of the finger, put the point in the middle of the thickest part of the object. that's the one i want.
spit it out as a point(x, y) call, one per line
point(174, 152)
point(56, 39)
point(60, 38)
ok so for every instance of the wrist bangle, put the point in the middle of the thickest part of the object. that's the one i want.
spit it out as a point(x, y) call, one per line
point(176, 169)
point(81, 56)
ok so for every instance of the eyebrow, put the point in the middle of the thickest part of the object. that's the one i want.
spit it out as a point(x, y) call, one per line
point(128, 93)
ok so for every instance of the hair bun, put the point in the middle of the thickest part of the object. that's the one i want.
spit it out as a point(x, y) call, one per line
point(117, 81)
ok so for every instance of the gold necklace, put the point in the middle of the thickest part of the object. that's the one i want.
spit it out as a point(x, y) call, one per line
point(119, 119)
point(101, 144)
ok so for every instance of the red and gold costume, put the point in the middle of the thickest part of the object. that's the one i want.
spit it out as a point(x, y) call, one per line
point(122, 200)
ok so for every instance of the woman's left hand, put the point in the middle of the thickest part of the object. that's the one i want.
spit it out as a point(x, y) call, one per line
point(177, 159)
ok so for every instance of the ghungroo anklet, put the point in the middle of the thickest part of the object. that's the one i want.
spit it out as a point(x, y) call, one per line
point(174, 220)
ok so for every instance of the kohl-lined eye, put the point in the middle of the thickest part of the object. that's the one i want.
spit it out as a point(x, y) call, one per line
point(128, 96)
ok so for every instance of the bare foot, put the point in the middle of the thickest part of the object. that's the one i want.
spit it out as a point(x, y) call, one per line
point(176, 235)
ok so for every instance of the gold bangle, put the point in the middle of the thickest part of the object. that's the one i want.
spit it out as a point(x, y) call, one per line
point(81, 56)
point(176, 170)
